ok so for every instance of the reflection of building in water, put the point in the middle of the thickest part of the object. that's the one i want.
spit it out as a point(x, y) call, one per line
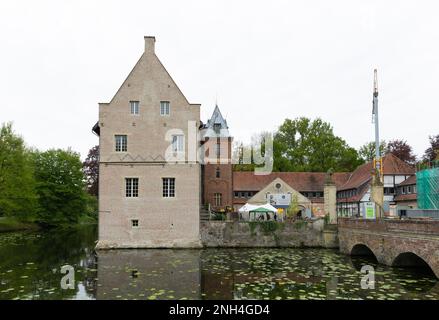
point(143, 274)
point(225, 276)
point(217, 285)
point(89, 281)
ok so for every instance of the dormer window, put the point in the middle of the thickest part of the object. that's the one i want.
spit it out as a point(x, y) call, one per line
point(165, 108)
point(217, 127)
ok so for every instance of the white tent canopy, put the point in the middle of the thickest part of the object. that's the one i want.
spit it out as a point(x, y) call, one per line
point(248, 207)
point(258, 211)
point(269, 207)
point(251, 207)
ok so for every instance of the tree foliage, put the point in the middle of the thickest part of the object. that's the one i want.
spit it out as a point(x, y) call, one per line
point(239, 151)
point(367, 151)
point(432, 153)
point(398, 147)
point(305, 145)
point(17, 187)
point(402, 150)
point(294, 208)
point(91, 171)
point(60, 187)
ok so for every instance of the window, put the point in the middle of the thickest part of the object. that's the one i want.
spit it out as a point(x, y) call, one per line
point(121, 143)
point(389, 191)
point(403, 190)
point(178, 143)
point(217, 198)
point(134, 223)
point(218, 149)
point(164, 108)
point(134, 107)
point(409, 189)
point(241, 195)
point(236, 194)
point(168, 187)
point(217, 172)
point(131, 187)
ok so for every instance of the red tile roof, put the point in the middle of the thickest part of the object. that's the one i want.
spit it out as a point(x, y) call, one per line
point(391, 166)
point(408, 181)
point(406, 197)
point(394, 165)
point(356, 198)
point(314, 181)
point(300, 181)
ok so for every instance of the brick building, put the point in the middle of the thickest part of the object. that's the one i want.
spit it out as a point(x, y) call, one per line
point(159, 164)
point(149, 173)
point(216, 171)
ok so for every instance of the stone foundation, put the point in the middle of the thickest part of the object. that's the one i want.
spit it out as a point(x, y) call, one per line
point(299, 234)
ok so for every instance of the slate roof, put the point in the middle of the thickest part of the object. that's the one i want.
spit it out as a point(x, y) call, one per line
point(215, 122)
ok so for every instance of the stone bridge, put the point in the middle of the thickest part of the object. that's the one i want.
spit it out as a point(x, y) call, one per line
point(408, 243)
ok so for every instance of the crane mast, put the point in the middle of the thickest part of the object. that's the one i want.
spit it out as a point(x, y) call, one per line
point(375, 120)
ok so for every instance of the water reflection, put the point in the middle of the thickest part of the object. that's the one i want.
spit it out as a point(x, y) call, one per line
point(30, 265)
point(149, 274)
point(30, 269)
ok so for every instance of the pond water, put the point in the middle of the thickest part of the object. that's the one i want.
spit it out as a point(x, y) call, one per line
point(30, 268)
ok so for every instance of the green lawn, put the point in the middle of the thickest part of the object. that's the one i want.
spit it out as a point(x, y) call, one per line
point(12, 224)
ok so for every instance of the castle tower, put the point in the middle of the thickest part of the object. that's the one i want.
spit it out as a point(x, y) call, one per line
point(217, 184)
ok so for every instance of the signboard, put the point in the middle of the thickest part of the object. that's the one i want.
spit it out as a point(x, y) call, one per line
point(279, 199)
point(369, 208)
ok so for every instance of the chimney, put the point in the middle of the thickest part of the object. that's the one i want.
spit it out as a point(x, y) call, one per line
point(149, 44)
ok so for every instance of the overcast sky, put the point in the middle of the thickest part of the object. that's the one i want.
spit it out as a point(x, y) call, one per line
point(264, 62)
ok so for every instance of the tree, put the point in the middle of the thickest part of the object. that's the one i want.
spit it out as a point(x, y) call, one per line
point(17, 185)
point(432, 152)
point(239, 152)
point(305, 145)
point(247, 157)
point(402, 150)
point(60, 187)
point(91, 171)
point(367, 151)
point(293, 209)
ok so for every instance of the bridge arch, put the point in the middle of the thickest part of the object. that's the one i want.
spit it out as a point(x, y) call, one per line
point(363, 250)
point(412, 260)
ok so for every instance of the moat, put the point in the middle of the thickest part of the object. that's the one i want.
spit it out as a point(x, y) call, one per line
point(30, 268)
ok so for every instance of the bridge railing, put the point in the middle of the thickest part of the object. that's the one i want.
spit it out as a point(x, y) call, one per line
point(391, 225)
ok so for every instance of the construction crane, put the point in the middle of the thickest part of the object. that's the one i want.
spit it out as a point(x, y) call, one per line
point(378, 162)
